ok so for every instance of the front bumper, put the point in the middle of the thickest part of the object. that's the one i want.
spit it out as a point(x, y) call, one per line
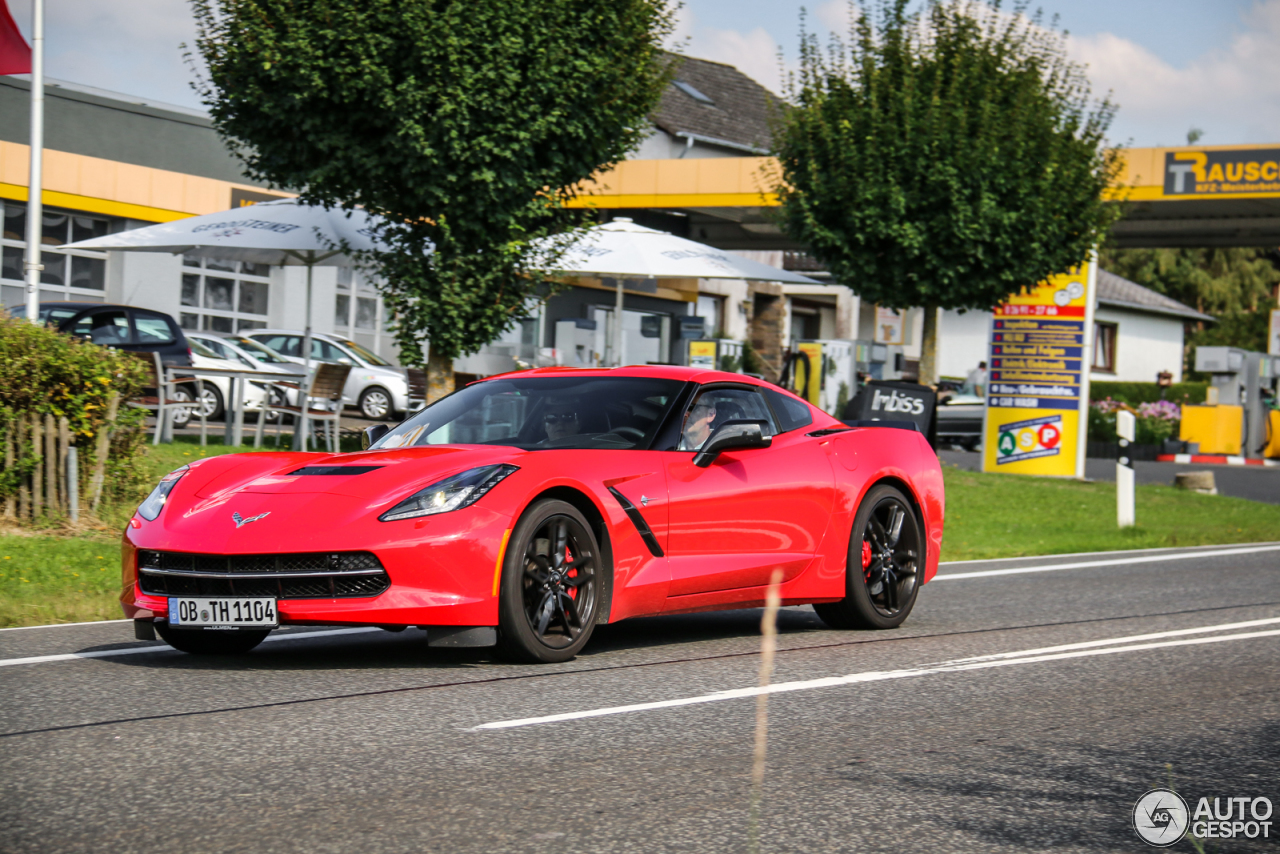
point(435, 571)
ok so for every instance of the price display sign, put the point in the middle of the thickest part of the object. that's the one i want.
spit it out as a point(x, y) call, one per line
point(1038, 378)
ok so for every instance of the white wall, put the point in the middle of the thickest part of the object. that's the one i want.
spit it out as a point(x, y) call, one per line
point(962, 342)
point(1146, 344)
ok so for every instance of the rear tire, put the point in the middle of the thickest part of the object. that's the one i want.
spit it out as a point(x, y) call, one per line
point(198, 642)
point(551, 583)
point(882, 593)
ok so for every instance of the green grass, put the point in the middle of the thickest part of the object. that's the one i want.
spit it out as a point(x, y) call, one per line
point(63, 578)
point(47, 579)
point(1001, 515)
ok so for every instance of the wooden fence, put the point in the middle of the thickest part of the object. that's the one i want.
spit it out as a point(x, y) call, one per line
point(50, 481)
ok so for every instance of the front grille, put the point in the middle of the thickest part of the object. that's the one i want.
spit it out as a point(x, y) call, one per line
point(319, 575)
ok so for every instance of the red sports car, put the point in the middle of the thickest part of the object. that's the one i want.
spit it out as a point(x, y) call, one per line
point(525, 509)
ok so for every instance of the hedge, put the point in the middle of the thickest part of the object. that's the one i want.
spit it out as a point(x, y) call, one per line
point(1136, 393)
point(45, 373)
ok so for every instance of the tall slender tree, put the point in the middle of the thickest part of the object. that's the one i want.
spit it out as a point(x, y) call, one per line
point(466, 123)
point(946, 158)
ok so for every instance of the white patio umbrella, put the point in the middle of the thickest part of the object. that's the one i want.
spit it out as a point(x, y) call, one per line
point(280, 233)
point(626, 250)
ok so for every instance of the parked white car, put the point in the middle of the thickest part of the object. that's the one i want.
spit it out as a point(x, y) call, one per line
point(377, 388)
point(215, 388)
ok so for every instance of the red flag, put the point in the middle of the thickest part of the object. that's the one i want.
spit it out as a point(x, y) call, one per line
point(15, 53)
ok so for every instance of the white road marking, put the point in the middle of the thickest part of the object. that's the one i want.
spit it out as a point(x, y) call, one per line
point(136, 650)
point(1223, 627)
point(1091, 554)
point(1054, 567)
point(60, 625)
point(855, 678)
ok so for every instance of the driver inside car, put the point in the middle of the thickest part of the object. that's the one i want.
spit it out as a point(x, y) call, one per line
point(560, 421)
point(697, 424)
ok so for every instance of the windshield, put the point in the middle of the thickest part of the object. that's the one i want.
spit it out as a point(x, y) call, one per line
point(543, 413)
point(201, 350)
point(363, 353)
point(257, 351)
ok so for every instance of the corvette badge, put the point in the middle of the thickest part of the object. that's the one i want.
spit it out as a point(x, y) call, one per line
point(241, 521)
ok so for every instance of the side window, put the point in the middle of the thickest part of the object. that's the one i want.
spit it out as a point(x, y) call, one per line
point(716, 406)
point(287, 344)
point(108, 328)
point(792, 413)
point(151, 329)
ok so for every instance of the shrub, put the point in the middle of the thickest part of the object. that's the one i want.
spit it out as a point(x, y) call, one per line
point(1155, 421)
point(1135, 394)
point(43, 372)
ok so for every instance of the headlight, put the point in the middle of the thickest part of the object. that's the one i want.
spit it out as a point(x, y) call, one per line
point(452, 493)
point(151, 508)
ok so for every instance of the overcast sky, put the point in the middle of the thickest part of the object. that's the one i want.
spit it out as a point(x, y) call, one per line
point(1170, 64)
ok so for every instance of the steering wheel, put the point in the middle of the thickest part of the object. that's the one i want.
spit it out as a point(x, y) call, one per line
point(630, 432)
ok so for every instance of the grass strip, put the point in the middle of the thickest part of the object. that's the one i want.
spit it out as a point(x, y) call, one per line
point(67, 579)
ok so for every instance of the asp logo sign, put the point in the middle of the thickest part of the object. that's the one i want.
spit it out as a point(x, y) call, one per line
point(1198, 173)
point(1029, 440)
point(896, 402)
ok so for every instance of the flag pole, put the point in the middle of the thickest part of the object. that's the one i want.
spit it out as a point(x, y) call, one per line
point(35, 209)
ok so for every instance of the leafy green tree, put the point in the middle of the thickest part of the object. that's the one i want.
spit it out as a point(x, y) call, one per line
point(466, 123)
point(945, 159)
point(1236, 285)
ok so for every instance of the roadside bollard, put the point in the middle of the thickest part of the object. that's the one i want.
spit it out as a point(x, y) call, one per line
point(73, 484)
point(1125, 423)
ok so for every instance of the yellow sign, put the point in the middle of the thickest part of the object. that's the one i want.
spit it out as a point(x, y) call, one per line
point(1038, 379)
point(702, 354)
point(808, 373)
point(1213, 173)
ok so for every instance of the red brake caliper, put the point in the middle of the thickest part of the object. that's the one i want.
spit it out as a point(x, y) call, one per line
point(866, 559)
point(573, 573)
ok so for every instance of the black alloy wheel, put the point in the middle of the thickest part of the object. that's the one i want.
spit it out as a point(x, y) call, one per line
point(211, 642)
point(886, 557)
point(550, 584)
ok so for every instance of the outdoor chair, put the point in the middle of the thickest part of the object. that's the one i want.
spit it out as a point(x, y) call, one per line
point(417, 398)
point(165, 402)
point(320, 400)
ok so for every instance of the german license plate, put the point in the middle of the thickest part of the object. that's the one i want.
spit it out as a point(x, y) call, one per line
point(222, 612)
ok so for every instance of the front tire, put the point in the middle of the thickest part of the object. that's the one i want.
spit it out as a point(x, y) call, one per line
point(550, 588)
point(886, 560)
point(211, 643)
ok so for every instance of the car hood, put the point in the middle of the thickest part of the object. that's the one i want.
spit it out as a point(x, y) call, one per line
point(373, 476)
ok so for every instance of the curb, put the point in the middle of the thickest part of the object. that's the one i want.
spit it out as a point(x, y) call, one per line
point(1214, 459)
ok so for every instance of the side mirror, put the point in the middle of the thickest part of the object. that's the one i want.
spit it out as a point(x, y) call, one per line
point(732, 435)
point(373, 434)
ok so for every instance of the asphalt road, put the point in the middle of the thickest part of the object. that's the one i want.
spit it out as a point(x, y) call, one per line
point(892, 741)
point(1257, 483)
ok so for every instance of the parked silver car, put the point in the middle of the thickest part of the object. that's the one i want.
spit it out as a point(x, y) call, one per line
point(376, 387)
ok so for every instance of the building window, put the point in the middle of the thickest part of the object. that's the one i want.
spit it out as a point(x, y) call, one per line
point(357, 312)
point(223, 296)
point(1104, 347)
point(711, 309)
point(67, 274)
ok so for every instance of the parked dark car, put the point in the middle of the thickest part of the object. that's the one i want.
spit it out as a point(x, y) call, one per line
point(124, 327)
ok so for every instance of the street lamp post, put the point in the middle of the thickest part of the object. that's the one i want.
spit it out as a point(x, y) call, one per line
point(32, 267)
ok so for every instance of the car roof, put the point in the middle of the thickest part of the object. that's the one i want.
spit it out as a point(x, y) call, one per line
point(249, 333)
point(672, 372)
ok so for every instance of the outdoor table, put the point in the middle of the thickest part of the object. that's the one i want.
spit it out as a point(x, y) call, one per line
point(234, 404)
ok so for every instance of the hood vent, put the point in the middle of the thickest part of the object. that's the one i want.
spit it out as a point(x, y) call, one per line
point(335, 471)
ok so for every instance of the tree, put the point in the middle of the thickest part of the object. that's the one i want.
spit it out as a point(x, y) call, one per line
point(945, 159)
point(1236, 285)
point(466, 123)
